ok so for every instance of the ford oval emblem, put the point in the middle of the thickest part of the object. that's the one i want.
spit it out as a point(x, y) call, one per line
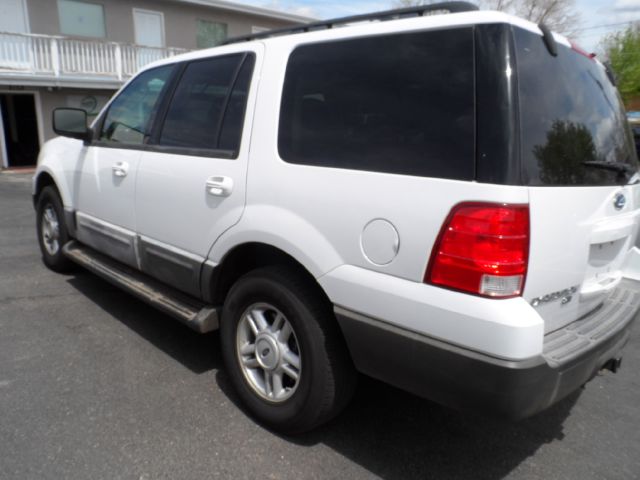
point(620, 201)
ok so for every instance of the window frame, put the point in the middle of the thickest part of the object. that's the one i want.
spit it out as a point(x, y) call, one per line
point(76, 35)
point(472, 27)
point(163, 110)
point(135, 10)
point(213, 22)
point(99, 125)
point(164, 101)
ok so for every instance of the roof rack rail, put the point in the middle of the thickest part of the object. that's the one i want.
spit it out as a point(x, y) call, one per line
point(451, 7)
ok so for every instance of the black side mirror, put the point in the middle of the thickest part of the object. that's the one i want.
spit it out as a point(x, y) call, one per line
point(71, 122)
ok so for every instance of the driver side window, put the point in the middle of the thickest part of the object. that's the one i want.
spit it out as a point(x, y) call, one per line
point(128, 120)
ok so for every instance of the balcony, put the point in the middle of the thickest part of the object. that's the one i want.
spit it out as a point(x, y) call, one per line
point(42, 60)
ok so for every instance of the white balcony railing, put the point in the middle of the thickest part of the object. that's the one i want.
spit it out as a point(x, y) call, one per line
point(65, 58)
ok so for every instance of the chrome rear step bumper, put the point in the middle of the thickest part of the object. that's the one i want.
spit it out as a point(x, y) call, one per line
point(571, 341)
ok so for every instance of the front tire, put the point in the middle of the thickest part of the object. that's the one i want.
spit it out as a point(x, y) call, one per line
point(52, 230)
point(283, 350)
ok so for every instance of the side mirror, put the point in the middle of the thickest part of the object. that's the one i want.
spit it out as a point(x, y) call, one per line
point(71, 122)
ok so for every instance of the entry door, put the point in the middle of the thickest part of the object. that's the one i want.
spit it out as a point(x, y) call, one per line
point(19, 142)
point(149, 27)
point(15, 53)
point(106, 185)
point(13, 16)
point(191, 183)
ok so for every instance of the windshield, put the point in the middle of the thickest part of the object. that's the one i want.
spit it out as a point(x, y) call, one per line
point(571, 118)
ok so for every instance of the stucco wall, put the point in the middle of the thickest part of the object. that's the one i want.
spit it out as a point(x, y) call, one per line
point(68, 97)
point(179, 19)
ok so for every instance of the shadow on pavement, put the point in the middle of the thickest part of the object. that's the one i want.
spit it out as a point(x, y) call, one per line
point(396, 435)
point(195, 351)
point(390, 433)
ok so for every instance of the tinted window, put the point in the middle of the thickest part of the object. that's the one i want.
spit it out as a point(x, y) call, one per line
point(129, 118)
point(570, 113)
point(395, 103)
point(231, 132)
point(196, 112)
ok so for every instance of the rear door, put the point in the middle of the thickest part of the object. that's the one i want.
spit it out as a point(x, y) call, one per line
point(191, 181)
point(576, 146)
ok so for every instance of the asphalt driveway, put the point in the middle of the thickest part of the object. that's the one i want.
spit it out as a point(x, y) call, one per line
point(95, 384)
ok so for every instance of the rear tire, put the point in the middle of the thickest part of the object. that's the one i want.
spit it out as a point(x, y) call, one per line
point(52, 230)
point(284, 351)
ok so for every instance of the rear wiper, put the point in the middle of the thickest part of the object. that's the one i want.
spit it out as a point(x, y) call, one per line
point(613, 166)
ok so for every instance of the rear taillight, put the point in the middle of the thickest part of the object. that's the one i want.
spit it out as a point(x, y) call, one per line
point(483, 248)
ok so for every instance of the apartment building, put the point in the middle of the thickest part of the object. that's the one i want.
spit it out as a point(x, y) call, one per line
point(77, 53)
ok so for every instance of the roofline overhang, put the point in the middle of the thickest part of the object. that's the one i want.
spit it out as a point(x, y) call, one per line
point(250, 9)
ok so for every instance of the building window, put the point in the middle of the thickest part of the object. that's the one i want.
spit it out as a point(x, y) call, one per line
point(81, 18)
point(149, 27)
point(256, 29)
point(210, 34)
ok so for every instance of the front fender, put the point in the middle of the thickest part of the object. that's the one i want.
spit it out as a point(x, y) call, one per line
point(58, 158)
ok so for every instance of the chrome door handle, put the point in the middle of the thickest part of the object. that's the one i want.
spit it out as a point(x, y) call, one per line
point(219, 186)
point(120, 169)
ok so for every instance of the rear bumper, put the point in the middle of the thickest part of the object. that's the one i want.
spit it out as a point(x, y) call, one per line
point(473, 381)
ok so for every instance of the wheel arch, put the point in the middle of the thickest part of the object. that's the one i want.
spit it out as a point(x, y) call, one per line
point(268, 235)
point(243, 258)
point(57, 165)
point(45, 178)
point(42, 180)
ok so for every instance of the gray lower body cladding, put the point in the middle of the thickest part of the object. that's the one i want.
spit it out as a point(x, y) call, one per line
point(472, 381)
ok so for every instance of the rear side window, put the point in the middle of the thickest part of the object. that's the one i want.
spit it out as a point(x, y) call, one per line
point(208, 104)
point(231, 131)
point(401, 103)
point(570, 115)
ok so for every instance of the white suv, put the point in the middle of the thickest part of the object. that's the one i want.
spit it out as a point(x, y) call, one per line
point(445, 202)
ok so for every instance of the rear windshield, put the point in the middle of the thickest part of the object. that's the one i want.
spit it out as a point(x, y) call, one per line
point(571, 118)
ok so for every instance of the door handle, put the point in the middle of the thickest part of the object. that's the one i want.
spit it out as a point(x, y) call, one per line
point(120, 169)
point(219, 186)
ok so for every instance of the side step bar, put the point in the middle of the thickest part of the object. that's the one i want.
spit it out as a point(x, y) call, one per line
point(195, 314)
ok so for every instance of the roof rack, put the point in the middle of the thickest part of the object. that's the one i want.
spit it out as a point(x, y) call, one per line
point(451, 7)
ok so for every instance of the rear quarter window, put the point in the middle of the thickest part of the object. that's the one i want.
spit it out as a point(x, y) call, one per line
point(401, 103)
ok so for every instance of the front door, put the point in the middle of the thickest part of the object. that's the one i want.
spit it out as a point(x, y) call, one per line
point(106, 185)
point(191, 182)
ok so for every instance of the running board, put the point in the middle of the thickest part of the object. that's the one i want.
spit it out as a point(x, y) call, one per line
point(195, 314)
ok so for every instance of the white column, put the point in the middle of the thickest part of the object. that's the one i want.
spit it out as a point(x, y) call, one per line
point(55, 57)
point(118, 54)
point(4, 160)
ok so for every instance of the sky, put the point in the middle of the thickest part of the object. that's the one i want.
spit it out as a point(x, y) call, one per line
point(598, 17)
